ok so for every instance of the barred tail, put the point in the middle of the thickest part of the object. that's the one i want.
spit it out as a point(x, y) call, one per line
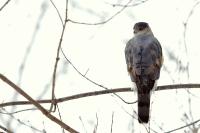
point(144, 86)
point(143, 107)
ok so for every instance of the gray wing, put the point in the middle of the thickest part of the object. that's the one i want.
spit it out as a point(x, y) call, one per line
point(144, 56)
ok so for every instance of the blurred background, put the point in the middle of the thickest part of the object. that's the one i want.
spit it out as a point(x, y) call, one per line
point(94, 41)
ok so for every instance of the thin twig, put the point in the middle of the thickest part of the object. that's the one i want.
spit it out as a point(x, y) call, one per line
point(93, 82)
point(53, 104)
point(59, 15)
point(192, 123)
point(103, 22)
point(111, 127)
point(132, 5)
point(83, 124)
point(97, 123)
point(6, 3)
point(32, 101)
point(185, 24)
point(83, 75)
point(60, 116)
point(101, 92)
point(20, 121)
point(19, 111)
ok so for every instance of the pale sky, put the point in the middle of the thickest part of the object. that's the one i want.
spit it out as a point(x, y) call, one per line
point(99, 49)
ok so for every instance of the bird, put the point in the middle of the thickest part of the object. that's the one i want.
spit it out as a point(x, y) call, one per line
point(144, 59)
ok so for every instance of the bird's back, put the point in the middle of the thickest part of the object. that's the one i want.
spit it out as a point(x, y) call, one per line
point(144, 59)
point(143, 54)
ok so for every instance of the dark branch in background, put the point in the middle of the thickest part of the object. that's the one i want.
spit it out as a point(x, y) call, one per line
point(192, 123)
point(102, 92)
point(177, 86)
point(103, 22)
point(5, 129)
point(6, 3)
point(43, 110)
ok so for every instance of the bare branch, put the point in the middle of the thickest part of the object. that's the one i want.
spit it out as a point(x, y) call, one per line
point(57, 59)
point(60, 116)
point(5, 129)
point(6, 3)
point(59, 15)
point(127, 5)
point(84, 76)
point(5, 112)
point(82, 124)
point(100, 23)
point(185, 24)
point(32, 101)
point(97, 123)
point(19, 111)
point(192, 123)
point(177, 86)
point(101, 92)
point(111, 129)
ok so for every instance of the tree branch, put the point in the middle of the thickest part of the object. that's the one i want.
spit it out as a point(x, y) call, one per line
point(101, 92)
point(127, 5)
point(32, 101)
point(57, 57)
point(103, 22)
point(192, 123)
point(5, 129)
point(6, 3)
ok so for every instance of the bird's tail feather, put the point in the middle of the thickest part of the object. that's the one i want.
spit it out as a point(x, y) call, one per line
point(144, 85)
point(143, 107)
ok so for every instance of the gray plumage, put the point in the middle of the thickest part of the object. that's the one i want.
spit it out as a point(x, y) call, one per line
point(144, 59)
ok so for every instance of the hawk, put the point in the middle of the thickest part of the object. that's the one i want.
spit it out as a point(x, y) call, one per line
point(144, 60)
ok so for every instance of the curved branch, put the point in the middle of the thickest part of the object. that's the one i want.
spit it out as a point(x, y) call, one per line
point(131, 5)
point(103, 22)
point(101, 92)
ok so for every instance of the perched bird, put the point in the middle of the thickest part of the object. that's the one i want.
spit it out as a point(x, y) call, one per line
point(144, 59)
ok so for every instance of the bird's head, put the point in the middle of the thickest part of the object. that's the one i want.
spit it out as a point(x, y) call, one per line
point(141, 28)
